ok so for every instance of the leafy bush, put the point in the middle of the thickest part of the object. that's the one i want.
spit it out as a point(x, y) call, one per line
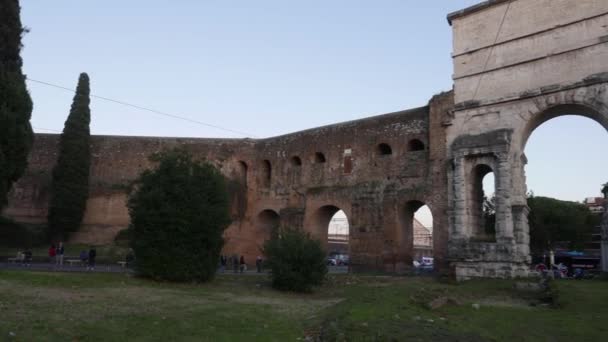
point(14, 234)
point(122, 238)
point(296, 260)
point(179, 212)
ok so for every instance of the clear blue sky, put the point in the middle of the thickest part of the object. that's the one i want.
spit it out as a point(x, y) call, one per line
point(268, 68)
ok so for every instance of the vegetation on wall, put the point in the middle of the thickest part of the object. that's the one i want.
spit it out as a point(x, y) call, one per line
point(179, 211)
point(16, 134)
point(70, 184)
point(297, 262)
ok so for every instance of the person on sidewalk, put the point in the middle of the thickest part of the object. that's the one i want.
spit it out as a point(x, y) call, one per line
point(235, 263)
point(52, 253)
point(59, 253)
point(84, 257)
point(258, 263)
point(92, 256)
point(242, 264)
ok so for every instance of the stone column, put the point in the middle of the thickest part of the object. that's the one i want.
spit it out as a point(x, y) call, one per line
point(504, 189)
point(459, 230)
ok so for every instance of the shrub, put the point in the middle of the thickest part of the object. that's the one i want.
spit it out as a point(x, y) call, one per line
point(296, 260)
point(179, 212)
point(14, 234)
point(122, 238)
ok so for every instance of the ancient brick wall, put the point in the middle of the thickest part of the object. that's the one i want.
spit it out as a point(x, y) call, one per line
point(370, 168)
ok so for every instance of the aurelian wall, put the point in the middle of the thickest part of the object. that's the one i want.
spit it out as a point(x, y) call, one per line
point(373, 169)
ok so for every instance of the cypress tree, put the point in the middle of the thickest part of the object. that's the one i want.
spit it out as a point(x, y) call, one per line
point(70, 187)
point(16, 134)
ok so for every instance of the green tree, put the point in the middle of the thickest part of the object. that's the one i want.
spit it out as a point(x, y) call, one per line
point(605, 189)
point(296, 260)
point(552, 221)
point(16, 134)
point(70, 184)
point(489, 215)
point(179, 212)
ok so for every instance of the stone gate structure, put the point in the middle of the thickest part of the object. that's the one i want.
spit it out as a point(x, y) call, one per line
point(517, 64)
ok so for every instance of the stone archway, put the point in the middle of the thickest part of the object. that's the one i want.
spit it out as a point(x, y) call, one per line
point(502, 149)
point(319, 219)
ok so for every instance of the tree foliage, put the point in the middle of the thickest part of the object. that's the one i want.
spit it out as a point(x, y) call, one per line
point(179, 211)
point(296, 260)
point(16, 134)
point(552, 221)
point(605, 189)
point(70, 185)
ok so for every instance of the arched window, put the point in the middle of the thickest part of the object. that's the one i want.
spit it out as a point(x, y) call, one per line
point(319, 158)
point(296, 161)
point(384, 149)
point(268, 223)
point(415, 145)
point(483, 215)
point(242, 172)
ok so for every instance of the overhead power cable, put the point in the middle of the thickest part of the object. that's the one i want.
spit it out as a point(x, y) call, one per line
point(174, 116)
point(46, 129)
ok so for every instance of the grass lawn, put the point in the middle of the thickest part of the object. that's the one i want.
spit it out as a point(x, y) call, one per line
point(92, 307)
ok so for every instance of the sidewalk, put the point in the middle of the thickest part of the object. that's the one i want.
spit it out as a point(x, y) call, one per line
point(37, 266)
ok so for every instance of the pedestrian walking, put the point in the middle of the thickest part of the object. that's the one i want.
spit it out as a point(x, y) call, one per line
point(222, 263)
point(235, 263)
point(92, 256)
point(52, 253)
point(84, 257)
point(59, 254)
point(258, 263)
point(242, 264)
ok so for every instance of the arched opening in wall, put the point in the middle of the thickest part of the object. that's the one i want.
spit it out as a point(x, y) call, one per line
point(564, 178)
point(332, 227)
point(268, 223)
point(296, 161)
point(416, 241)
point(319, 158)
point(242, 172)
point(266, 173)
point(415, 145)
point(482, 204)
point(384, 149)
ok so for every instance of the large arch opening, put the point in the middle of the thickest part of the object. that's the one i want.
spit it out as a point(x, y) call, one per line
point(564, 174)
point(268, 223)
point(332, 228)
point(416, 235)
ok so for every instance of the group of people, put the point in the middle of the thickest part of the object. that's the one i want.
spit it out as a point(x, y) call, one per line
point(56, 254)
point(238, 264)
